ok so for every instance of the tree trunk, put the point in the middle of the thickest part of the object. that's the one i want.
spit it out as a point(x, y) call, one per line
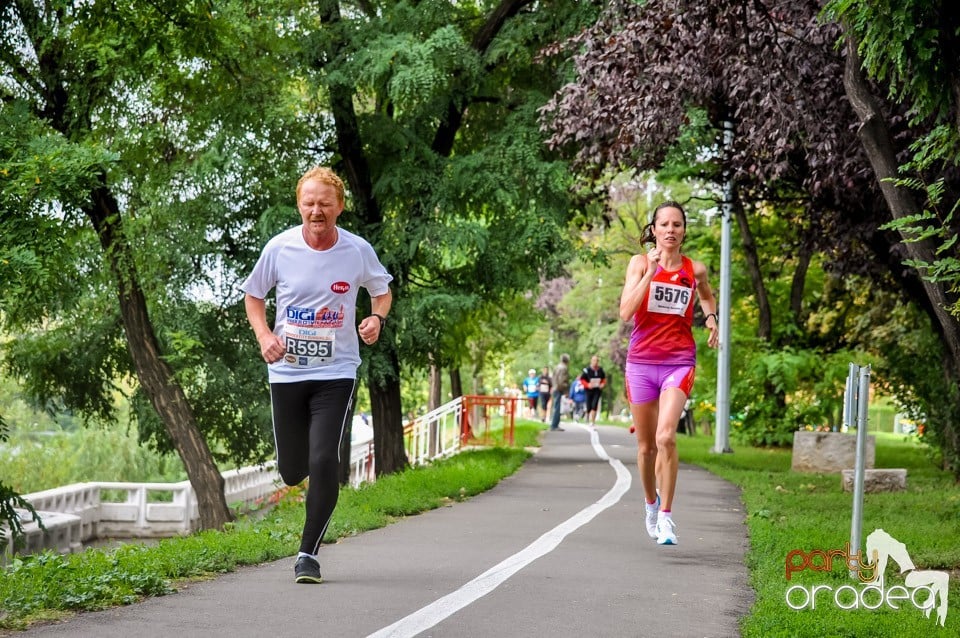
point(154, 374)
point(389, 452)
point(764, 319)
point(456, 383)
point(385, 386)
point(878, 146)
point(799, 281)
point(434, 399)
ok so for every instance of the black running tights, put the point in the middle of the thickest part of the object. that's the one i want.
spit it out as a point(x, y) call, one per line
point(309, 419)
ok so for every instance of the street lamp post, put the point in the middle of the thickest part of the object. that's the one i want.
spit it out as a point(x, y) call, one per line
point(599, 288)
point(550, 349)
point(722, 429)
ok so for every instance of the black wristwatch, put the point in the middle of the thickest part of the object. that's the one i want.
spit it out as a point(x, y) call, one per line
point(383, 320)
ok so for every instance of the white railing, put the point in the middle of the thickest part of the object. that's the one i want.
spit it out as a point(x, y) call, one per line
point(81, 512)
point(361, 463)
point(434, 435)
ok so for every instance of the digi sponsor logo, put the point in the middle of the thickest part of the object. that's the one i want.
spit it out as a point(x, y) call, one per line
point(340, 287)
point(923, 589)
point(299, 314)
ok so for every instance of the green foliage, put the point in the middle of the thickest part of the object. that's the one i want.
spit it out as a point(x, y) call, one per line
point(35, 460)
point(474, 208)
point(910, 46)
point(902, 45)
point(935, 224)
point(76, 362)
point(187, 116)
point(413, 73)
point(11, 528)
point(39, 165)
point(932, 225)
point(41, 257)
point(198, 120)
point(47, 446)
point(920, 391)
point(811, 383)
point(222, 375)
point(686, 159)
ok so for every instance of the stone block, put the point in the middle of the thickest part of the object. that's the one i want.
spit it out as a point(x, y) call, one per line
point(829, 451)
point(883, 480)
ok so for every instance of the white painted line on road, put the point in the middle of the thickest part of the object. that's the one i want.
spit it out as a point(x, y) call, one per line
point(437, 611)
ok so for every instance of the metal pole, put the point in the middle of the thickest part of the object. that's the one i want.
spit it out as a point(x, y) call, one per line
point(722, 438)
point(599, 289)
point(850, 397)
point(849, 409)
point(863, 404)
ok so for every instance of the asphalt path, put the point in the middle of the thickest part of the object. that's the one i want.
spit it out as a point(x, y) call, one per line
point(558, 549)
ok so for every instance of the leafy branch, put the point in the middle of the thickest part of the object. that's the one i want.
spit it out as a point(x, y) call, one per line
point(931, 225)
point(9, 502)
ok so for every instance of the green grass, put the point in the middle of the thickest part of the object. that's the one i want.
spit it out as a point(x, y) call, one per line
point(788, 510)
point(785, 511)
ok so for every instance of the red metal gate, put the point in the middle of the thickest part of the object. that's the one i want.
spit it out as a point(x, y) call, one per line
point(487, 420)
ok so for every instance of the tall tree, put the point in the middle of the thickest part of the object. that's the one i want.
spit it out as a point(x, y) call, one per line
point(657, 81)
point(901, 201)
point(63, 78)
point(115, 123)
point(434, 111)
point(770, 68)
point(913, 47)
point(192, 121)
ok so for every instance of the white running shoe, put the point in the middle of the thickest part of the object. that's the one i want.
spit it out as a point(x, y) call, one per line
point(651, 518)
point(666, 531)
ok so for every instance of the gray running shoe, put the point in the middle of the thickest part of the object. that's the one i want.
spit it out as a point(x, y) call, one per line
point(307, 570)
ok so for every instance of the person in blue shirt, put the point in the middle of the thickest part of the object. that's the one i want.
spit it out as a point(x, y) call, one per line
point(531, 387)
point(578, 394)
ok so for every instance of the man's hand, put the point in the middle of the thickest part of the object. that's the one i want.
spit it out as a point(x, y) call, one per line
point(272, 347)
point(369, 329)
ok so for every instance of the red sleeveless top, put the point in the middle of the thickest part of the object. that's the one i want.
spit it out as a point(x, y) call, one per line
point(662, 326)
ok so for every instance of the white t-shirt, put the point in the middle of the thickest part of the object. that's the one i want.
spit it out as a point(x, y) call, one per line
point(317, 302)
